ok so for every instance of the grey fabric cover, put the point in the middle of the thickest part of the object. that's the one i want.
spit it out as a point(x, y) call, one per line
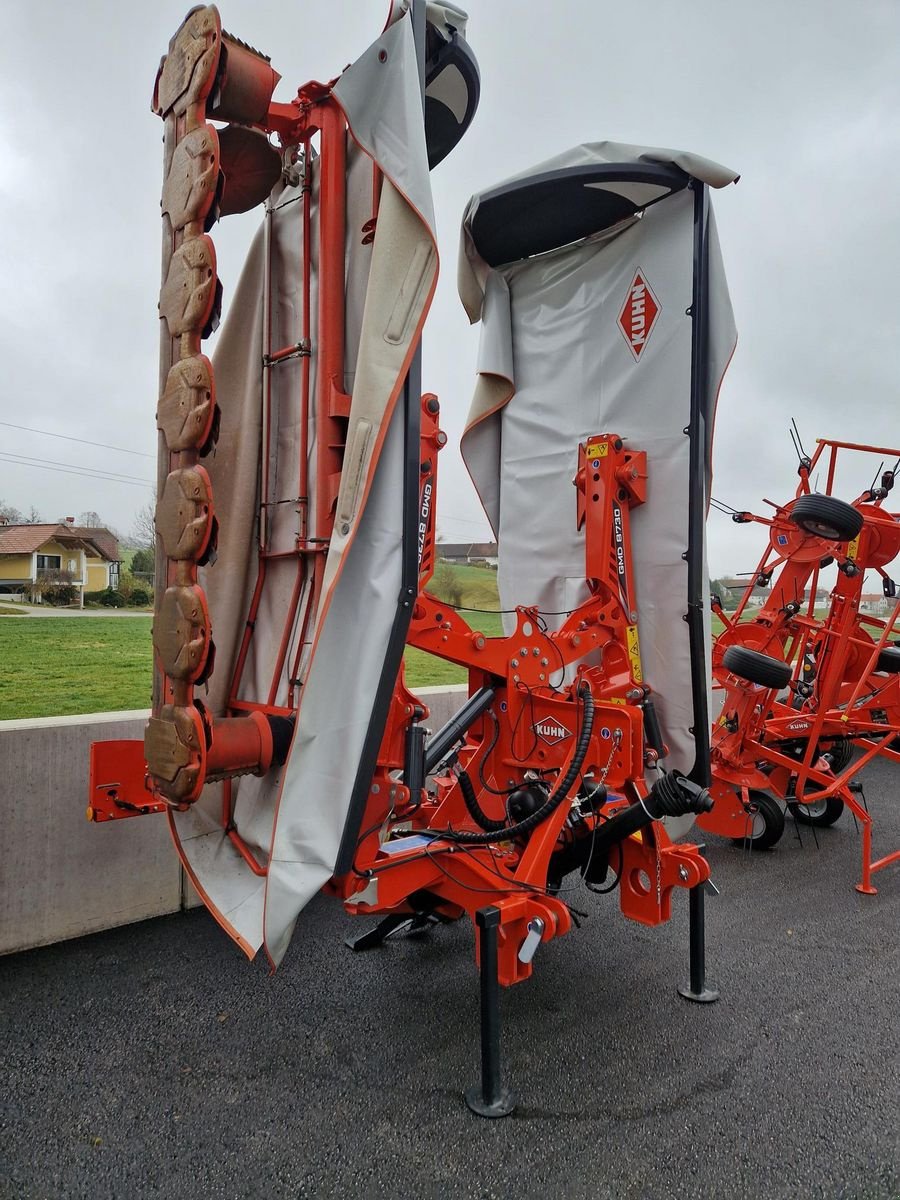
point(294, 817)
point(555, 367)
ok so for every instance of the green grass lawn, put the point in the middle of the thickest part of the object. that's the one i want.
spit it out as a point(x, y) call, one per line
point(58, 666)
point(61, 666)
point(11, 610)
point(426, 670)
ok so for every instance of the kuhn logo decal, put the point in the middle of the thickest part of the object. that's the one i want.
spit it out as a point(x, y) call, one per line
point(639, 314)
point(551, 732)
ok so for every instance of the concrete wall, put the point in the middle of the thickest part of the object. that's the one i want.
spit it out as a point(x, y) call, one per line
point(60, 875)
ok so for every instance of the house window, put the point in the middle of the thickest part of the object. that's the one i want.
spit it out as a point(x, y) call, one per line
point(51, 561)
point(114, 576)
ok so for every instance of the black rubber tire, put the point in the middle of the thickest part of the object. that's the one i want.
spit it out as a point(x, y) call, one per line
point(820, 812)
point(889, 660)
point(827, 517)
point(756, 667)
point(839, 754)
point(767, 831)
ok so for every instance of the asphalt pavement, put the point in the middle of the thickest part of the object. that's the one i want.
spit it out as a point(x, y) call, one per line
point(154, 1061)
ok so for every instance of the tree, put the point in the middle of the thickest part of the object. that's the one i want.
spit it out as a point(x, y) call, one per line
point(11, 513)
point(143, 562)
point(33, 518)
point(91, 520)
point(144, 530)
point(718, 588)
point(447, 585)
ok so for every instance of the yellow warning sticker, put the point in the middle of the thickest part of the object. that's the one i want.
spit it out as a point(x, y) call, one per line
point(853, 548)
point(634, 653)
point(598, 449)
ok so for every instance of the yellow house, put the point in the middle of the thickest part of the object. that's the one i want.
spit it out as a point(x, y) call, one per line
point(35, 556)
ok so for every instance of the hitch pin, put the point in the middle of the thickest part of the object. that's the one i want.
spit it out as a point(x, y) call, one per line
point(532, 940)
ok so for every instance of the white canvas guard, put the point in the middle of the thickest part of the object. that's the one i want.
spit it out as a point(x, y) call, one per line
point(555, 367)
point(294, 816)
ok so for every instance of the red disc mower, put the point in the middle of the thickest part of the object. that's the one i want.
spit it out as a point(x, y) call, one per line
point(580, 757)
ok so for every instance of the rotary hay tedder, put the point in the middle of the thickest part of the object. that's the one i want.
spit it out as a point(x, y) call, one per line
point(802, 692)
point(297, 491)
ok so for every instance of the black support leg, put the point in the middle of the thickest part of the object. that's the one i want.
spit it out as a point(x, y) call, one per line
point(374, 937)
point(490, 1098)
point(698, 989)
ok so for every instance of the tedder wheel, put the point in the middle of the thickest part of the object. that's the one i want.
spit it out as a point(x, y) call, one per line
point(766, 823)
point(839, 754)
point(756, 667)
point(818, 812)
point(826, 517)
point(889, 660)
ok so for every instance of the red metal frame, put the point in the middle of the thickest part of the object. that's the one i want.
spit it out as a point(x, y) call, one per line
point(539, 677)
point(529, 670)
point(835, 693)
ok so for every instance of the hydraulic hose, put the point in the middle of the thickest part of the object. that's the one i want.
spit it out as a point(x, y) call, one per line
point(552, 802)
point(476, 812)
point(673, 795)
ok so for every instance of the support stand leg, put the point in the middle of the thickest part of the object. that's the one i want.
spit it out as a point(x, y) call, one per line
point(698, 990)
point(490, 1098)
point(375, 937)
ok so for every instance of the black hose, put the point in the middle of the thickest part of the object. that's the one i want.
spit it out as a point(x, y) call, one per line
point(555, 798)
point(673, 795)
point(476, 812)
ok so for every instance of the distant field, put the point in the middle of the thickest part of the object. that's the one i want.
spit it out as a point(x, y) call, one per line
point(58, 666)
point(61, 666)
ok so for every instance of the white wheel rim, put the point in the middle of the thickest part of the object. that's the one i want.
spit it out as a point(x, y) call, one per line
point(816, 809)
point(758, 825)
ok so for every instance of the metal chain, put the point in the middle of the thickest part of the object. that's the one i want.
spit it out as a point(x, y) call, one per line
point(658, 873)
point(616, 741)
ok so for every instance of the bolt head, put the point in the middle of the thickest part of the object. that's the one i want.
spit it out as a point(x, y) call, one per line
point(683, 874)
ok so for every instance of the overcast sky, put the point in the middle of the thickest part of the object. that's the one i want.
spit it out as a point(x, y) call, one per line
point(801, 98)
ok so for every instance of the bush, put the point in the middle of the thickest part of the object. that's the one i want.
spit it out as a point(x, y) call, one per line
point(95, 597)
point(126, 584)
point(61, 595)
point(446, 585)
point(111, 599)
point(139, 598)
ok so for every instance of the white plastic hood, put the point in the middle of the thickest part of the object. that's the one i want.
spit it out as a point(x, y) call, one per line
point(557, 363)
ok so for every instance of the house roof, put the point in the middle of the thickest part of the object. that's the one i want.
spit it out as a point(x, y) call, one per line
point(467, 549)
point(25, 539)
point(105, 541)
